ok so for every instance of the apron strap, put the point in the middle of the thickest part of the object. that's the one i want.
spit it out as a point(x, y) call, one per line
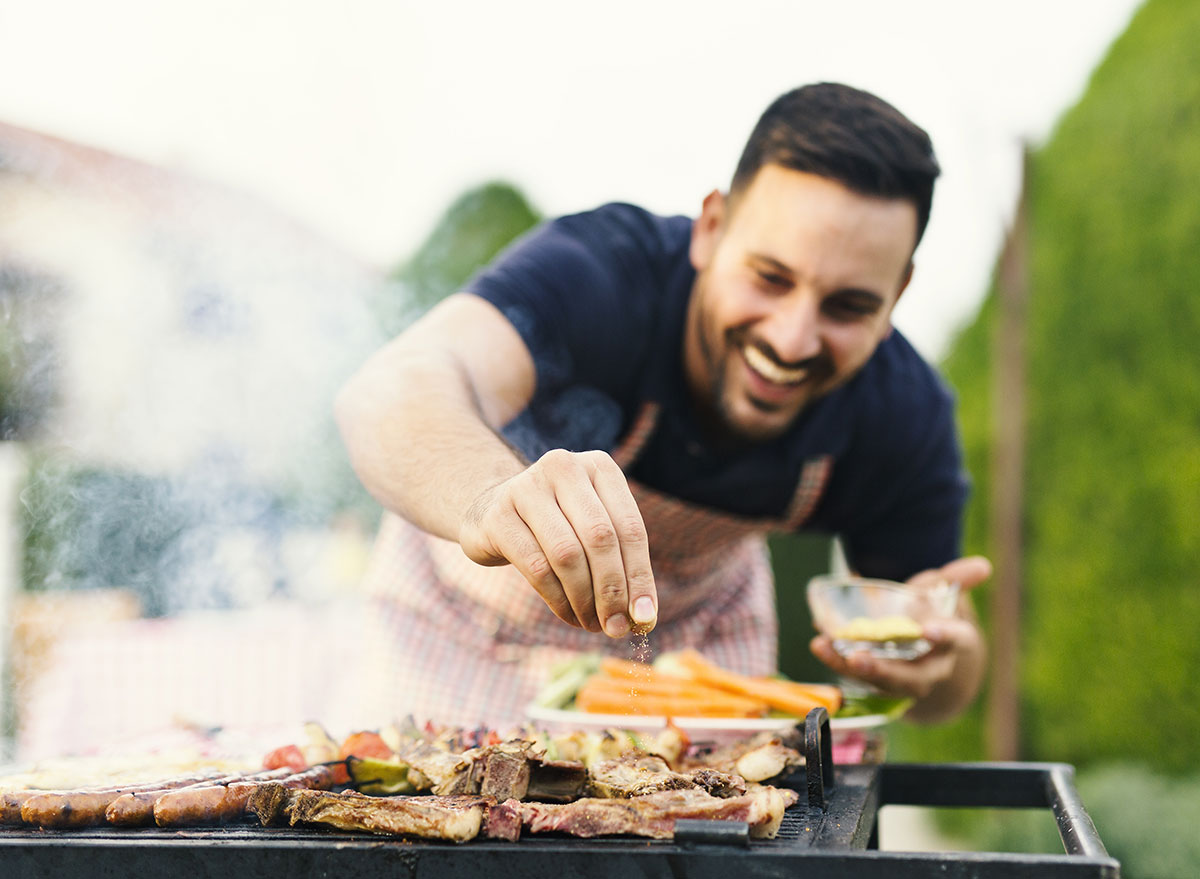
point(632, 443)
point(814, 475)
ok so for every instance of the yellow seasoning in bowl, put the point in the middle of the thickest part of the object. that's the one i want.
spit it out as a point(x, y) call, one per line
point(893, 628)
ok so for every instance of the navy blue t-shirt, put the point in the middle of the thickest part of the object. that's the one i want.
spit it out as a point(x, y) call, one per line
point(600, 298)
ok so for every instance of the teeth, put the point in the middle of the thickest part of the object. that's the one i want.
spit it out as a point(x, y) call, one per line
point(769, 369)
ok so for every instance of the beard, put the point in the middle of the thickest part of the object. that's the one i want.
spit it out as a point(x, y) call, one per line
point(718, 409)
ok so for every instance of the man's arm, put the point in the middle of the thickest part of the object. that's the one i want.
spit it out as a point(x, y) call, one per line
point(419, 420)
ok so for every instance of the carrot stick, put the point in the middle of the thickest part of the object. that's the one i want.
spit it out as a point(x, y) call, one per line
point(790, 696)
point(677, 688)
point(616, 667)
point(603, 701)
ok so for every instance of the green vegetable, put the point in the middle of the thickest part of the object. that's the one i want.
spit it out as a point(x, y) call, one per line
point(565, 680)
point(379, 777)
point(862, 704)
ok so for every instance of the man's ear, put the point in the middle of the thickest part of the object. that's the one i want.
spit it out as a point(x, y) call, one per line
point(908, 273)
point(706, 230)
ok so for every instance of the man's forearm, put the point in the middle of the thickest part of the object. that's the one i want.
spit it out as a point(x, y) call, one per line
point(418, 441)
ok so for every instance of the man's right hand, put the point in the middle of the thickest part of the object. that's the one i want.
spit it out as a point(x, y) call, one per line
point(571, 526)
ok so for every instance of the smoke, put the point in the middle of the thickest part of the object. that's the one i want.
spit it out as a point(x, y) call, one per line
point(169, 353)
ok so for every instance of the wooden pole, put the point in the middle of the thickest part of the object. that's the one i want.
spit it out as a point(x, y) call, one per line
point(1008, 473)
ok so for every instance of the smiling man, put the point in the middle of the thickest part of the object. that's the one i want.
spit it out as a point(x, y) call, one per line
point(797, 278)
point(603, 429)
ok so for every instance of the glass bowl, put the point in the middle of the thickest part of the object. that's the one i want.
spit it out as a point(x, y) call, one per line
point(882, 617)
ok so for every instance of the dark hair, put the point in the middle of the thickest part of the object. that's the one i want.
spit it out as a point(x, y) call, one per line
point(847, 135)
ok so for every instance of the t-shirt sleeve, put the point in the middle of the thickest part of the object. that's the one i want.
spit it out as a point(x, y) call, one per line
point(571, 288)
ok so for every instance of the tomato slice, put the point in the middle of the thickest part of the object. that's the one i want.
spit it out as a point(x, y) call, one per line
point(366, 744)
point(289, 755)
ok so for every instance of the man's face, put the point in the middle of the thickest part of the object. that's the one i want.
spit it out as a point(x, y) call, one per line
point(796, 280)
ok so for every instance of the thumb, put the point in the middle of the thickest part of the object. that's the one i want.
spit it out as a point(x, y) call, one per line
point(968, 572)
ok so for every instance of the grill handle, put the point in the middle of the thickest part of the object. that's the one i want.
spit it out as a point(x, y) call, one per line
point(691, 830)
point(1017, 785)
point(1075, 827)
point(818, 756)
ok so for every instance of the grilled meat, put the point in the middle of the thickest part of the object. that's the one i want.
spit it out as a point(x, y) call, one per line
point(505, 770)
point(453, 818)
point(758, 759)
point(514, 769)
point(460, 818)
point(556, 781)
point(654, 814)
point(636, 775)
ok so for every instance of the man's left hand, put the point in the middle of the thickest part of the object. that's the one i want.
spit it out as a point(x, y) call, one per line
point(943, 681)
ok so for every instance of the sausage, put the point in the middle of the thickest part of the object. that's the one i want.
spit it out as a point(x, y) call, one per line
point(137, 808)
point(83, 808)
point(11, 802)
point(218, 805)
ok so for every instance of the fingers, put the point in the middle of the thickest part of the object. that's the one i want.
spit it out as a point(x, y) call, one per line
point(968, 572)
point(900, 677)
point(497, 535)
point(571, 526)
point(637, 606)
point(578, 536)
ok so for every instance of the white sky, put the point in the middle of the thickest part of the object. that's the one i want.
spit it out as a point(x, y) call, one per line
point(365, 118)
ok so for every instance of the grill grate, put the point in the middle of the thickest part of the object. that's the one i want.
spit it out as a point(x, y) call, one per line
point(829, 834)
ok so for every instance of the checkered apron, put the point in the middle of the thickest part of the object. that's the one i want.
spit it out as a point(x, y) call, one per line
point(460, 643)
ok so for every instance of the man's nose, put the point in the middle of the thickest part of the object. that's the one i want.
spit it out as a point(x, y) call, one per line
point(793, 329)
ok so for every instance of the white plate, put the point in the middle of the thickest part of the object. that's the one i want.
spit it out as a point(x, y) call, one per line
point(557, 720)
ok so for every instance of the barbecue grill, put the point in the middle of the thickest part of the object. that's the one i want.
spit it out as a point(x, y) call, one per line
point(831, 834)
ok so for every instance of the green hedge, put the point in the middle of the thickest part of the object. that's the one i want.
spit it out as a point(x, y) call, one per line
point(1109, 650)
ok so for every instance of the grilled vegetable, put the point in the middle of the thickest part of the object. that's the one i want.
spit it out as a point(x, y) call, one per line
point(379, 777)
point(366, 744)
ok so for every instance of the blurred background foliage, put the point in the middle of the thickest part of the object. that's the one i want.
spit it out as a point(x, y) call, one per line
point(1109, 650)
point(1109, 647)
point(476, 227)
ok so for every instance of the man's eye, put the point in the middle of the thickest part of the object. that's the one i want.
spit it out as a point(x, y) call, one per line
point(849, 309)
point(773, 280)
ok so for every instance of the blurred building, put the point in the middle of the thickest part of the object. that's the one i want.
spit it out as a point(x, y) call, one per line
point(169, 351)
point(162, 320)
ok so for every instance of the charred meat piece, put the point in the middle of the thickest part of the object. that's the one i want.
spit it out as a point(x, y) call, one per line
point(636, 775)
point(654, 815)
point(718, 783)
point(446, 773)
point(269, 803)
point(456, 819)
point(506, 770)
point(556, 781)
point(514, 769)
point(758, 759)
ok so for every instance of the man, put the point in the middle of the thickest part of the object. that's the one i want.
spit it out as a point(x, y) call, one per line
point(605, 426)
